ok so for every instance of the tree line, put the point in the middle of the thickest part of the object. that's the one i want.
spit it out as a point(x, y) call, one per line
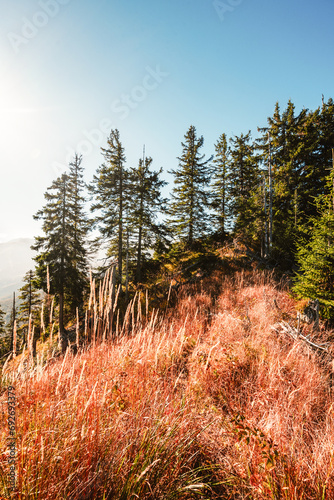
point(273, 193)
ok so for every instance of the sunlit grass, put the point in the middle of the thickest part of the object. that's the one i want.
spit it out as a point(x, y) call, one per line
point(204, 400)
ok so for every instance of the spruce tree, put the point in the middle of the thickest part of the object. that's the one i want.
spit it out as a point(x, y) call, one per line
point(110, 191)
point(146, 203)
point(4, 336)
point(30, 301)
point(310, 173)
point(315, 257)
point(300, 153)
point(245, 189)
point(325, 124)
point(2, 322)
point(62, 248)
point(190, 197)
point(80, 227)
point(220, 185)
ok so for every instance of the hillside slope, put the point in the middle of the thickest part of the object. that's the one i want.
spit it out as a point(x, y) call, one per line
point(205, 400)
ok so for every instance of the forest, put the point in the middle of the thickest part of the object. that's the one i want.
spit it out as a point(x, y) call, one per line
point(272, 194)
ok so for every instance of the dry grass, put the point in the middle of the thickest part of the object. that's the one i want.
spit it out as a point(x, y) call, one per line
point(203, 401)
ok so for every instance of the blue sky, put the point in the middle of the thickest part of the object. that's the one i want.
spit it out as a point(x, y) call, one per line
point(73, 69)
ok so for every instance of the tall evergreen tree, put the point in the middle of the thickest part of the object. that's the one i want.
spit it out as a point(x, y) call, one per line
point(80, 227)
point(190, 197)
point(55, 248)
point(146, 203)
point(245, 189)
point(110, 190)
point(62, 248)
point(325, 124)
point(301, 154)
point(220, 185)
point(315, 257)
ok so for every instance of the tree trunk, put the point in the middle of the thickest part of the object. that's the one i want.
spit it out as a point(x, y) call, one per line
point(139, 254)
point(265, 218)
point(270, 198)
point(192, 201)
point(13, 325)
point(120, 227)
point(127, 265)
point(62, 333)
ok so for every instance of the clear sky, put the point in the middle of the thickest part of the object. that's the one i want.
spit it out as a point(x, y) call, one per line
point(73, 69)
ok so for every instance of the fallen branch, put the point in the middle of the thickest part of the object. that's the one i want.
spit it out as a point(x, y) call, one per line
point(285, 327)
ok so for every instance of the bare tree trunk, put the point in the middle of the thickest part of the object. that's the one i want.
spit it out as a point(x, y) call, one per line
point(333, 177)
point(139, 254)
point(296, 207)
point(120, 227)
point(265, 218)
point(270, 198)
point(13, 332)
point(13, 324)
point(62, 334)
point(127, 265)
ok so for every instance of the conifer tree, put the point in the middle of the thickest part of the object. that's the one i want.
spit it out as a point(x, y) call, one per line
point(190, 197)
point(325, 126)
point(245, 188)
point(315, 257)
point(220, 185)
point(55, 248)
point(5, 336)
point(145, 204)
point(62, 248)
point(283, 151)
point(9, 336)
point(30, 303)
point(301, 155)
point(309, 168)
point(2, 322)
point(80, 227)
point(110, 190)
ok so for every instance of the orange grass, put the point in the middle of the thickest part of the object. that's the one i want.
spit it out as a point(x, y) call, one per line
point(202, 401)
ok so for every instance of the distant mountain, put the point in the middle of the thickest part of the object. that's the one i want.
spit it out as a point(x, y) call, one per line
point(15, 261)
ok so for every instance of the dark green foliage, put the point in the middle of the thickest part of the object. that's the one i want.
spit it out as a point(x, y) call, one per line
point(301, 155)
point(30, 301)
point(190, 198)
point(220, 189)
point(245, 189)
point(2, 322)
point(62, 248)
point(315, 257)
point(80, 227)
point(146, 203)
point(5, 338)
point(283, 141)
point(111, 192)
